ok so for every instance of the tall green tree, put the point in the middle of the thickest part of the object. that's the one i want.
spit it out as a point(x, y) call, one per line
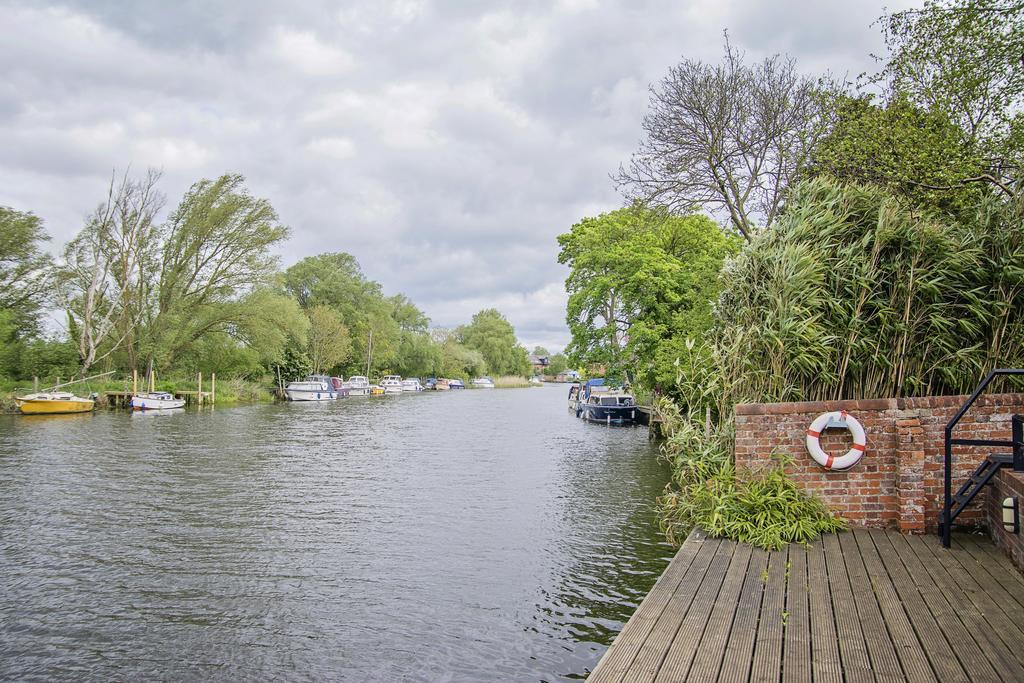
point(917, 153)
point(329, 343)
point(965, 59)
point(495, 338)
point(641, 281)
point(216, 250)
point(25, 276)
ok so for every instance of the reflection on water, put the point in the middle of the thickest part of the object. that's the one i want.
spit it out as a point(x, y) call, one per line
point(463, 536)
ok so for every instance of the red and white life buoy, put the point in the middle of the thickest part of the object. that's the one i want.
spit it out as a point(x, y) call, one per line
point(840, 418)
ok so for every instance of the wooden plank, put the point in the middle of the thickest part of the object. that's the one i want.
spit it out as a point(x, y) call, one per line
point(652, 647)
point(797, 634)
point(937, 596)
point(853, 650)
point(1004, 638)
point(768, 645)
point(708, 659)
point(689, 637)
point(884, 662)
point(933, 641)
point(983, 547)
point(994, 561)
point(624, 648)
point(826, 667)
point(900, 631)
point(740, 649)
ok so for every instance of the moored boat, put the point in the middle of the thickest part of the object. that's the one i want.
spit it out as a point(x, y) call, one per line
point(357, 385)
point(456, 384)
point(482, 383)
point(392, 384)
point(441, 384)
point(606, 405)
point(411, 384)
point(156, 400)
point(313, 388)
point(53, 403)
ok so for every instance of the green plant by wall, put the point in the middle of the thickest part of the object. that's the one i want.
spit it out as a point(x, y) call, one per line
point(765, 509)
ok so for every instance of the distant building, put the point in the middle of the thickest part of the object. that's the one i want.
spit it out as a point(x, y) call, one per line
point(567, 376)
point(538, 363)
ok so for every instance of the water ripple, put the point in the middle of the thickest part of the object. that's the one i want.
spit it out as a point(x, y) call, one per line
point(467, 536)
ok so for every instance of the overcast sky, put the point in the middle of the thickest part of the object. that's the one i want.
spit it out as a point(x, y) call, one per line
point(443, 144)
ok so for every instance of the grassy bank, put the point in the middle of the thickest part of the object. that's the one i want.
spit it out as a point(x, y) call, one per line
point(229, 391)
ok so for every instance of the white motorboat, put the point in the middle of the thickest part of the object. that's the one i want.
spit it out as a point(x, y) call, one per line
point(392, 384)
point(310, 390)
point(357, 385)
point(412, 384)
point(156, 400)
point(482, 383)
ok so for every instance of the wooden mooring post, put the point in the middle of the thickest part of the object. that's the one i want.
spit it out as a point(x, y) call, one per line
point(213, 388)
point(199, 395)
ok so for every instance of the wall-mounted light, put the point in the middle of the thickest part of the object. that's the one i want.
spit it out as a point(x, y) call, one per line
point(1011, 515)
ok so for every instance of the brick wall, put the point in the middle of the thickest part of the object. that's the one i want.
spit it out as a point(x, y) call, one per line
point(1006, 484)
point(898, 482)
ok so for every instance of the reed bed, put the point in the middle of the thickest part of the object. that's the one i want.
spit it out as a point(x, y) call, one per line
point(510, 382)
point(850, 294)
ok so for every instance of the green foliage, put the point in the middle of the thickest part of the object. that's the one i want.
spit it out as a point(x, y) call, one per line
point(216, 248)
point(494, 338)
point(917, 153)
point(293, 363)
point(24, 270)
point(557, 364)
point(329, 343)
point(638, 279)
point(963, 59)
point(853, 295)
point(765, 509)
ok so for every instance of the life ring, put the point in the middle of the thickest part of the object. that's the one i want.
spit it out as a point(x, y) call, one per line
point(839, 418)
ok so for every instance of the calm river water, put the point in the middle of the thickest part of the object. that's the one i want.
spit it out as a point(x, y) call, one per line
point(461, 536)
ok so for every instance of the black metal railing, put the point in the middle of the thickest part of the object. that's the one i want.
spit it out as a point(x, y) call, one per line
point(1016, 444)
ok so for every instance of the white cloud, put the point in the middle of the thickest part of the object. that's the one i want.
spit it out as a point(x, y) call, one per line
point(305, 52)
point(445, 145)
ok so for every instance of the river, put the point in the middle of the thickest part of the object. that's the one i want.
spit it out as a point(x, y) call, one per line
point(480, 535)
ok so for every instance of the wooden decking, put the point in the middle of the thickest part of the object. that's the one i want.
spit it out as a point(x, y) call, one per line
point(866, 605)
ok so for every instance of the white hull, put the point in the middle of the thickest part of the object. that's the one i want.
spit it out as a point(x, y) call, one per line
point(147, 403)
point(310, 395)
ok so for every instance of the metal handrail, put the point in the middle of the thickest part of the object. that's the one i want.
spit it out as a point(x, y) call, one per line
point(947, 508)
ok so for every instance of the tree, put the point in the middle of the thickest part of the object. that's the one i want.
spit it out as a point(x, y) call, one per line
point(729, 138)
point(106, 274)
point(540, 352)
point(495, 338)
point(638, 278)
point(557, 364)
point(25, 280)
point(917, 153)
point(216, 249)
point(965, 58)
point(329, 342)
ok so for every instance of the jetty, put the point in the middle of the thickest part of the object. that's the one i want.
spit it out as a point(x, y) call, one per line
point(863, 605)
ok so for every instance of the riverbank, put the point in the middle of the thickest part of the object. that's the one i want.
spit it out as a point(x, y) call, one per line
point(229, 392)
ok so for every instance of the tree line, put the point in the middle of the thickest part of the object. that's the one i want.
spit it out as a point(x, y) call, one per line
point(201, 291)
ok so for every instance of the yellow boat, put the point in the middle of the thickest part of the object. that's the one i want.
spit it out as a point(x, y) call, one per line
point(53, 404)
